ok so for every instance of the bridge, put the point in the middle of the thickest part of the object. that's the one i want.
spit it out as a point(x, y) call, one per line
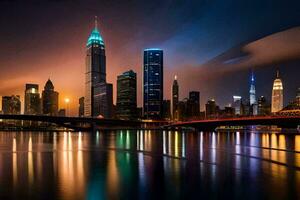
point(212, 124)
point(85, 123)
point(76, 123)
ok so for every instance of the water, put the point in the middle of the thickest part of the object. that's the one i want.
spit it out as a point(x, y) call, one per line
point(149, 165)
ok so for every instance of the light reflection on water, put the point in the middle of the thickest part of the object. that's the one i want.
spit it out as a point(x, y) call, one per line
point(130, 163)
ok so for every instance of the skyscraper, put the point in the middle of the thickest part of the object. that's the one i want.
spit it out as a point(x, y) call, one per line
point(175, 99)
point(153, 83)
point(81, 107)
point(95, 69)
point(237, 105)
point(264, 108)
point(103, 100)
point(277, 94)
point(49, 99)
point(194, 104)
point(126, 95)
point(11, 104)
point(32, 100)
point(252, 92)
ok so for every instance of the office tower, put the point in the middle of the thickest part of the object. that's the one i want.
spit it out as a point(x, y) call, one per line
point(194, 104)
point(237, 105)
point(126, 96)
point(11, 104)
point(211, 109)
point(277, 94)
point(81, 107)
point(95, 70)
point(49, 99)
point(264, 108)
point(103, 100)
point(166, 109)
point(32, 100)
point(175, 99)
point(246, 108)
point(252, 92)
point(153, 83)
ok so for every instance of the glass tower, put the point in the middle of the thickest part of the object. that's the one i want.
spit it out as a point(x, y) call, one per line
point(153, 83)
point(175, 99)
point(32, 100)
point(277, 94)
point(49, 99)
point(126, 95)
point(95, 69)
point(252, 90)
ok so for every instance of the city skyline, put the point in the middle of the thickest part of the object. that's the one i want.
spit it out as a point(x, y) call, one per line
point(14, 78)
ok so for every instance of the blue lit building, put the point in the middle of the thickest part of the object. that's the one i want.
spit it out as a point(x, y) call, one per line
point(153, 84)
point(95, 101)
point(252, 93)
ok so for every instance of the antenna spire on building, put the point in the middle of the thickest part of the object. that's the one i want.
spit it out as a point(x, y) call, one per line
point(277, 73)
point(96, 21)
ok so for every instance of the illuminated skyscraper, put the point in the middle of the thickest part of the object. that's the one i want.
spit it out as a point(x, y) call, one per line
point(277, 94)
point(32, 100)
point(252, 93)
point(49, 99)
point(153, 83)
point(95, 101)
point(175, 99)
point(252, 90)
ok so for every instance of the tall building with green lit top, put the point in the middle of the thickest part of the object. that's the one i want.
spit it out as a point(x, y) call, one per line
point(95, 70)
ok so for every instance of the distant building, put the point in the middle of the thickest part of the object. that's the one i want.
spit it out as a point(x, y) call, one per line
point(103, 100)
point(237, 105)
point(246, 108)
point(11, 104)
point(153, 83)
point(126, 96)
point(62, 112)
point(167, 109)
point(175, 99)
point(32, 100)
point(264, 108)
point(81, 107)
point(183, 109)
point(95, 76)
point(211, 109)
point(49, 99)
point(252, 93)
point(277, 95)
point(194, 104)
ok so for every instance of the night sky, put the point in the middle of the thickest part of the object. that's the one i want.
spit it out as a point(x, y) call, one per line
point(210, 44)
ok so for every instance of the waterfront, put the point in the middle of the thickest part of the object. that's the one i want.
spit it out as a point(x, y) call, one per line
point(149, 164)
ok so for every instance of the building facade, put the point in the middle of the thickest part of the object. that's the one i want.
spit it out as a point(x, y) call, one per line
point(95, 70)
point(126, 95)
point(237, 105)
point(175, 99)
point(277, 95)
point(194, 104)
point(153, 83)
point(11, 104)
point(49, 99)
point(103, 100)
point(32, 100)
point(81, 107)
